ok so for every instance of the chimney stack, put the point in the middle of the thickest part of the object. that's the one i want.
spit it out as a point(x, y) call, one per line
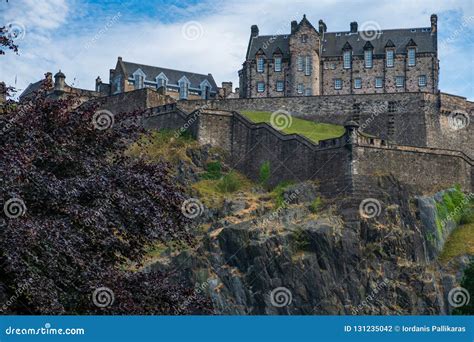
point(254, 31)
point(434, 23)
point(59, 81)
point(354, 27)
point(322, 27)
point(294, 25)
point(98, 82)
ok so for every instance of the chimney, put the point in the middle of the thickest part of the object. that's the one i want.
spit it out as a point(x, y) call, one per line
point(119, 58)
point(49, 79)
point(294, 25)
point(254, 31)
point(354, 27)
point(3, 92)
point(322, 27)
point(227, 87)
point(59, 81)
point(98, 82)
point(434, 23)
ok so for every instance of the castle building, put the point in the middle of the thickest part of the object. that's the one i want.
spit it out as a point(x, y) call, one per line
point(310, 62)
point(181, 85)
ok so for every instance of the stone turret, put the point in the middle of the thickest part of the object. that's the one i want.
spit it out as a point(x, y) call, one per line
point(59, 81)
point(98, 82)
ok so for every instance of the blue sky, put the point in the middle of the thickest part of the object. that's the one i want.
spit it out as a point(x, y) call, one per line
point(84, 38)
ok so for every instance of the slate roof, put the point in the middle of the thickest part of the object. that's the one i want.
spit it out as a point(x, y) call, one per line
point(173, 75)
point(32, 87)
point(333, 42)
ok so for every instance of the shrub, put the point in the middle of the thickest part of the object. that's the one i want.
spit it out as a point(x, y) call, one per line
point(213, 171)
point(229, 183)
point(264, 174)
point(278, 193)
point(316, 205)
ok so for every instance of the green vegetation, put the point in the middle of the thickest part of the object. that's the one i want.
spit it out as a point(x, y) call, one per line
point(316, 205)
point(213, 171)
point(467, 283)
point(229, 183)
point(278, 193)
point(264, 174)
point(460, 242)
point(312, 130)
point(301, 240)
point(454, 206)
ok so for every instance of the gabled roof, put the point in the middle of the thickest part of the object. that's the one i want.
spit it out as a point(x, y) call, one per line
point(151, 72)
point(333, 42)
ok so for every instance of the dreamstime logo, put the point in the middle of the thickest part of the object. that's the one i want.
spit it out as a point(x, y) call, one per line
point(15, 30)
point(281, 297)
point(103, 297)
point(103, 119)
point(14, 207)
point(458, 297)
point(192, 208)
point(192, 30)
point(281, 119)
point(370, 208)
point(370, 30)
point(458, 120)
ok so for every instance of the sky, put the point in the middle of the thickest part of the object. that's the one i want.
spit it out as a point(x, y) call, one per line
point(84, 38)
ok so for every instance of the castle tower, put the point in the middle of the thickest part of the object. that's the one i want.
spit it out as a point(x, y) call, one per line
point(59, 81)
point(304, 47)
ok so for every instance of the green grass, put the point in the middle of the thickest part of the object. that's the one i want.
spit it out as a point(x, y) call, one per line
point(312, 130)
point(460, 242)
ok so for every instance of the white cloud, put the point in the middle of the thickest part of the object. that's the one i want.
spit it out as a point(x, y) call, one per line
point(220, 50)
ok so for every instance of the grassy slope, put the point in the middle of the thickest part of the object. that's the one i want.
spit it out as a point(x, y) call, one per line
point(310, 129)
point(460, 242)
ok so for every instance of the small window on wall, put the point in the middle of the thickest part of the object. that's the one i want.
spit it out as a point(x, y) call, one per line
point(389, 57)
point(304, 38)
point(307, 67)
point(356, 108)
point(277, 63)
point(399, 81)
point(280, 86)
point(260, 64)
point(392, 106)
point(299, 63)
point(260, 87)
point(411, 57)
point(337, 84)
point(300, 88)
point(378, 82)
point(368, 58)
point(357, 83)
point(308, 92)
point(422, 81)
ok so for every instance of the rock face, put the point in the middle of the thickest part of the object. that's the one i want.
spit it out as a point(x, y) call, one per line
point(300, 262)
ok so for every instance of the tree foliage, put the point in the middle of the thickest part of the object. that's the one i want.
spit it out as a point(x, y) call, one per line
point(88, 209)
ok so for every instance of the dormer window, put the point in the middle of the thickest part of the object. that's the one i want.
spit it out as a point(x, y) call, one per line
point(139, 79)
point(161, 81)
point(347, 59)
point(205, 89)
point(368, 58)
point(389, 58)
point(411, 56)
point(183, 88)
point(278, 64)
point(260, 64)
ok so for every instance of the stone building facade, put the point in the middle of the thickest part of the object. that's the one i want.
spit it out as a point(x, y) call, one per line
point(128, 76)
point(309, 62)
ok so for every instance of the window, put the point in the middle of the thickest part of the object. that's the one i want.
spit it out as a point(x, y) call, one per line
point(260, 87)
point(378, 82)
point(260, 64)
point(389, 57)
point(277, 63)
point(392, 106)
point(160, 82)
point(307, 92)
point(139, 81)
point(280, 86)
point(337, 83)
point(411, 57)
point(307, 66)
point(422, 81)
point(368, 58)
point(300, 88)
point(347, 59)
point(399, 81)
point(357, 83)
point(118, 84)
point(304, 38)
point(183, 90)
point(299, 63)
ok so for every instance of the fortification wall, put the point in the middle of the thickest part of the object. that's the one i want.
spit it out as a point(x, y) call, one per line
point(398, 117)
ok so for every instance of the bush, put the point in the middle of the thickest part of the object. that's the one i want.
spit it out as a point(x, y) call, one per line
point(264, 175)
point(229, 183)
point(316, 205)
point(278, 193)
point(213, 171)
